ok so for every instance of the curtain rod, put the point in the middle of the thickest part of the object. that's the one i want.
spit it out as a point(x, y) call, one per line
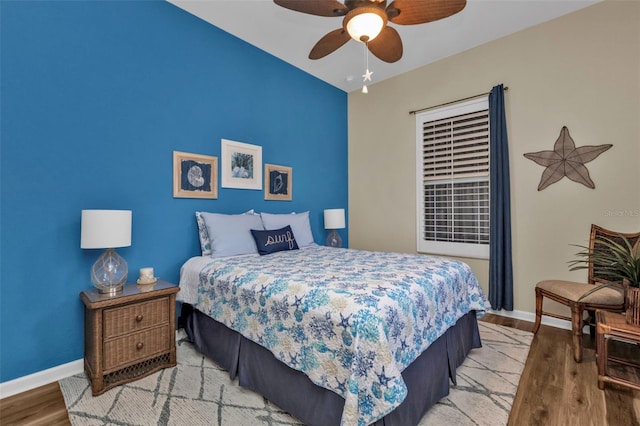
point(453, 102)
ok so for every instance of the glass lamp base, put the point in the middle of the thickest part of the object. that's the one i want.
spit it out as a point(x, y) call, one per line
point(333, 239)
point(110, 272)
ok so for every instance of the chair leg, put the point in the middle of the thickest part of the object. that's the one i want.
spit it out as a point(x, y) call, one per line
point(592, 323)
point(577, 310)
point(539, 296)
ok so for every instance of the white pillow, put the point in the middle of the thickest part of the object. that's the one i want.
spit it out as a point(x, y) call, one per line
point(299, 223)
point(203, 234)
point(230, 234)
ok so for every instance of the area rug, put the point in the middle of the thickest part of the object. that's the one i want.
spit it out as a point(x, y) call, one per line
point(198, 392)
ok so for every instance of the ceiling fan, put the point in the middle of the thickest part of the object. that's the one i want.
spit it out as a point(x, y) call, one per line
point(366, 21)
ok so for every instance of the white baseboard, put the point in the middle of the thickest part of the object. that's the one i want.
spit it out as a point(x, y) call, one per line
point(531, 317)
point(41, 378)
point(50, 375)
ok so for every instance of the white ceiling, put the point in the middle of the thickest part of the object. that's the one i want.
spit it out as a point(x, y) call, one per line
point(290, 35)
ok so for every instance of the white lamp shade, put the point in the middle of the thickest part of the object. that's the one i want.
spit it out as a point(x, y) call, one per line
point(334, 219)
point(105, 229)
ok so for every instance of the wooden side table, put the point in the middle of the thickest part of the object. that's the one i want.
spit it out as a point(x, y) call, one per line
point(129, 335)
point(610, 325)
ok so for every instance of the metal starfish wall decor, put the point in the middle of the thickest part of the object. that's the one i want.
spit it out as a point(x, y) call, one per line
point(566, 160)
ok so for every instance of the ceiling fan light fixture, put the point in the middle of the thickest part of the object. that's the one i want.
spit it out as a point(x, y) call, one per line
point(365, 23)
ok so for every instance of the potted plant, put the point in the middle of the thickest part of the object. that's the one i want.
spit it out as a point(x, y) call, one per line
point(617, 261)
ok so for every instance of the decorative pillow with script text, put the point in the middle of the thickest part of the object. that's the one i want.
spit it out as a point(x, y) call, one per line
point(274, 240)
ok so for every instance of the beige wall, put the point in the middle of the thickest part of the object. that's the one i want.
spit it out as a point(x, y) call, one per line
point(581, 70)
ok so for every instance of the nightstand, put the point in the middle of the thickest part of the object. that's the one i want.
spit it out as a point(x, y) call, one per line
point(129, 335)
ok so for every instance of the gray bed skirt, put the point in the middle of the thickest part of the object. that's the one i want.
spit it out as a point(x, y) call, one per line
point(427, 378)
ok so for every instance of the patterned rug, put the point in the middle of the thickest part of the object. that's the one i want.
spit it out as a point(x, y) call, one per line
point(198, 392)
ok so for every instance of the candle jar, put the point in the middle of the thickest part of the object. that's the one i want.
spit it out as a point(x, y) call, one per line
point(146, 276)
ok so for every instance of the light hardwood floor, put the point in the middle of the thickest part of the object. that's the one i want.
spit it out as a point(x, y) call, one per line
point(553, 390)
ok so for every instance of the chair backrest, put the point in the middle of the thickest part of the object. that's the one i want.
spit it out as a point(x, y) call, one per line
point(597, 232)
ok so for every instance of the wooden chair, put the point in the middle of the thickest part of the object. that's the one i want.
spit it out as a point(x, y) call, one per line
point(569, 293)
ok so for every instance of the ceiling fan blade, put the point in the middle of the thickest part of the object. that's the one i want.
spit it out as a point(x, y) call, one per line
point(387, 46)
point(410, 12)
point(314, 7)
point(329, 43)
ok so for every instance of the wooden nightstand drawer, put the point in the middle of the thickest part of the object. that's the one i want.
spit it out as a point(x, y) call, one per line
point(135, 317)
point(133, 347)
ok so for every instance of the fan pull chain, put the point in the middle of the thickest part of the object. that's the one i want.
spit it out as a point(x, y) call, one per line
point(367, 74)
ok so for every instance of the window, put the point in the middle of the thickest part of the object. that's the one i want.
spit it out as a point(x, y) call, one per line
point(453, 179)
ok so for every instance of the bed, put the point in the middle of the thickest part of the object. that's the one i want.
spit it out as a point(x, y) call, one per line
point(335, 336)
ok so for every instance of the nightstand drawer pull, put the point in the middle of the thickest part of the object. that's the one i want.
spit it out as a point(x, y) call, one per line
point(140, 345)
point(139, 317)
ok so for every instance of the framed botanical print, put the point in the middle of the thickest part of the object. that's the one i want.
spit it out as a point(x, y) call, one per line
point(241, 165)
point(194, 175)
point(278, 182)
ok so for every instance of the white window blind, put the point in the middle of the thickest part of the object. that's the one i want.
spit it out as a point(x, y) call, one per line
point(453, 179)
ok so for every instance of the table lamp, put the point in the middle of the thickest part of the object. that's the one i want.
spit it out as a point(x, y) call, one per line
point(334, 219)
point(107, 229)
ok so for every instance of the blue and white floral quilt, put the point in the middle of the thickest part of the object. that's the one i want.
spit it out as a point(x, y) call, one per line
point(351, 320)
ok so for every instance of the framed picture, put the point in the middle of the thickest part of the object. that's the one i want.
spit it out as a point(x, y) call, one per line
point(241, 165)
point(278, 181)
point(194, 175)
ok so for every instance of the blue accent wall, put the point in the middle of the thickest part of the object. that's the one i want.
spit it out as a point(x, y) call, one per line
point(96, 96)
